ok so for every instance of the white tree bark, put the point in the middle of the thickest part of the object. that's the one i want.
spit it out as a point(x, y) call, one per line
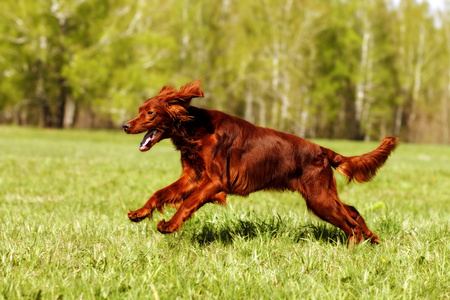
point(417, 81)
point(360, 87)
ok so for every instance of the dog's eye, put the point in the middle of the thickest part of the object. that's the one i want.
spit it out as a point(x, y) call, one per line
point(149, 112)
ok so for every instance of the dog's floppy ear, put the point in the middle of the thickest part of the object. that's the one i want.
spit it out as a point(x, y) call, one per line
point(185, 94)
point(191, 90)
point(179, 101)
point(166, 90)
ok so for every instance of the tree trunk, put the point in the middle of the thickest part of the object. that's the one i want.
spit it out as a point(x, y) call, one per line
point(262, 113)
point(45, 116)
point(185, 37)
point(366, 118)
point(444, 110)
point(398, 120)
point(45, 119)
point(62, 101)
point(360, 86)
point(416, 87)
point(248, 114)
point(69, 113)
point(304, 115)
point(275, 84)
point(60, 62)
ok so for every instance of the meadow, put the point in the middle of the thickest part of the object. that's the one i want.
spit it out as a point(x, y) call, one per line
point(64, 233)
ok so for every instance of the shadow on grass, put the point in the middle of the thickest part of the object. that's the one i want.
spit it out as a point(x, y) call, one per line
point(272, 228)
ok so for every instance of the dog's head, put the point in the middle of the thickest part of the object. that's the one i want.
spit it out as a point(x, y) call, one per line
point(162, 114)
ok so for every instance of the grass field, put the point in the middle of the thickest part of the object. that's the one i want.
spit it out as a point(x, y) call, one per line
point(64, 233)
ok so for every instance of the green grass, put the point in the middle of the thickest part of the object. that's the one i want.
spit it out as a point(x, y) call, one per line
point(64, 233)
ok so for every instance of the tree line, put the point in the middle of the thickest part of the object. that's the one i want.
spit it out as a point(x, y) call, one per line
point(323, 69)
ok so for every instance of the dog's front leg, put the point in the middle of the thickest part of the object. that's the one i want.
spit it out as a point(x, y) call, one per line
point(207, 192)
point(172, 194)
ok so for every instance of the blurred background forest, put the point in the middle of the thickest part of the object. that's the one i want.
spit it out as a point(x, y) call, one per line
point(323, 69)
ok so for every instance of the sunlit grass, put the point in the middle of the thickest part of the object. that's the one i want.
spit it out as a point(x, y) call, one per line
point(64, 232)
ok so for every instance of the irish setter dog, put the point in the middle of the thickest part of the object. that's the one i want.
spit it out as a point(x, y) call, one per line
point(222, 154)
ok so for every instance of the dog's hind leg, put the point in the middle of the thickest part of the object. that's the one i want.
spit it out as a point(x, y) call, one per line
point(359, 219)
point(332, 210)
point(322, 199)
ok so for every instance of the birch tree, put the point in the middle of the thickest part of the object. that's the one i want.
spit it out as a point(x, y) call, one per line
point(333, 69)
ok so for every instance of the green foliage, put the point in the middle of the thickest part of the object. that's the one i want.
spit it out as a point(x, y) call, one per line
point(64, 231)
point(349, 69)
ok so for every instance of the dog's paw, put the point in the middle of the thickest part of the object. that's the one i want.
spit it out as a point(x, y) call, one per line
point(135, 216)
point(374, 239)
point(164, 227)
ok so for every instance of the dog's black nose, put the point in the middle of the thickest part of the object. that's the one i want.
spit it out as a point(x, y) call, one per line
point(126, 126)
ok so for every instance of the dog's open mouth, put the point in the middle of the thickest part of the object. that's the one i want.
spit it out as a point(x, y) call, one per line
point(149, 140)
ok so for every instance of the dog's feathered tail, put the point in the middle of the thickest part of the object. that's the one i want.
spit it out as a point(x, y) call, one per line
point(362, 168)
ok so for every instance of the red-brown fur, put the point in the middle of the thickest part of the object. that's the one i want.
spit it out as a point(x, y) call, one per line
point(222, 154)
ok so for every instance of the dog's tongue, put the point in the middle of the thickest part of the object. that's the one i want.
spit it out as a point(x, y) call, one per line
point(148, 138)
